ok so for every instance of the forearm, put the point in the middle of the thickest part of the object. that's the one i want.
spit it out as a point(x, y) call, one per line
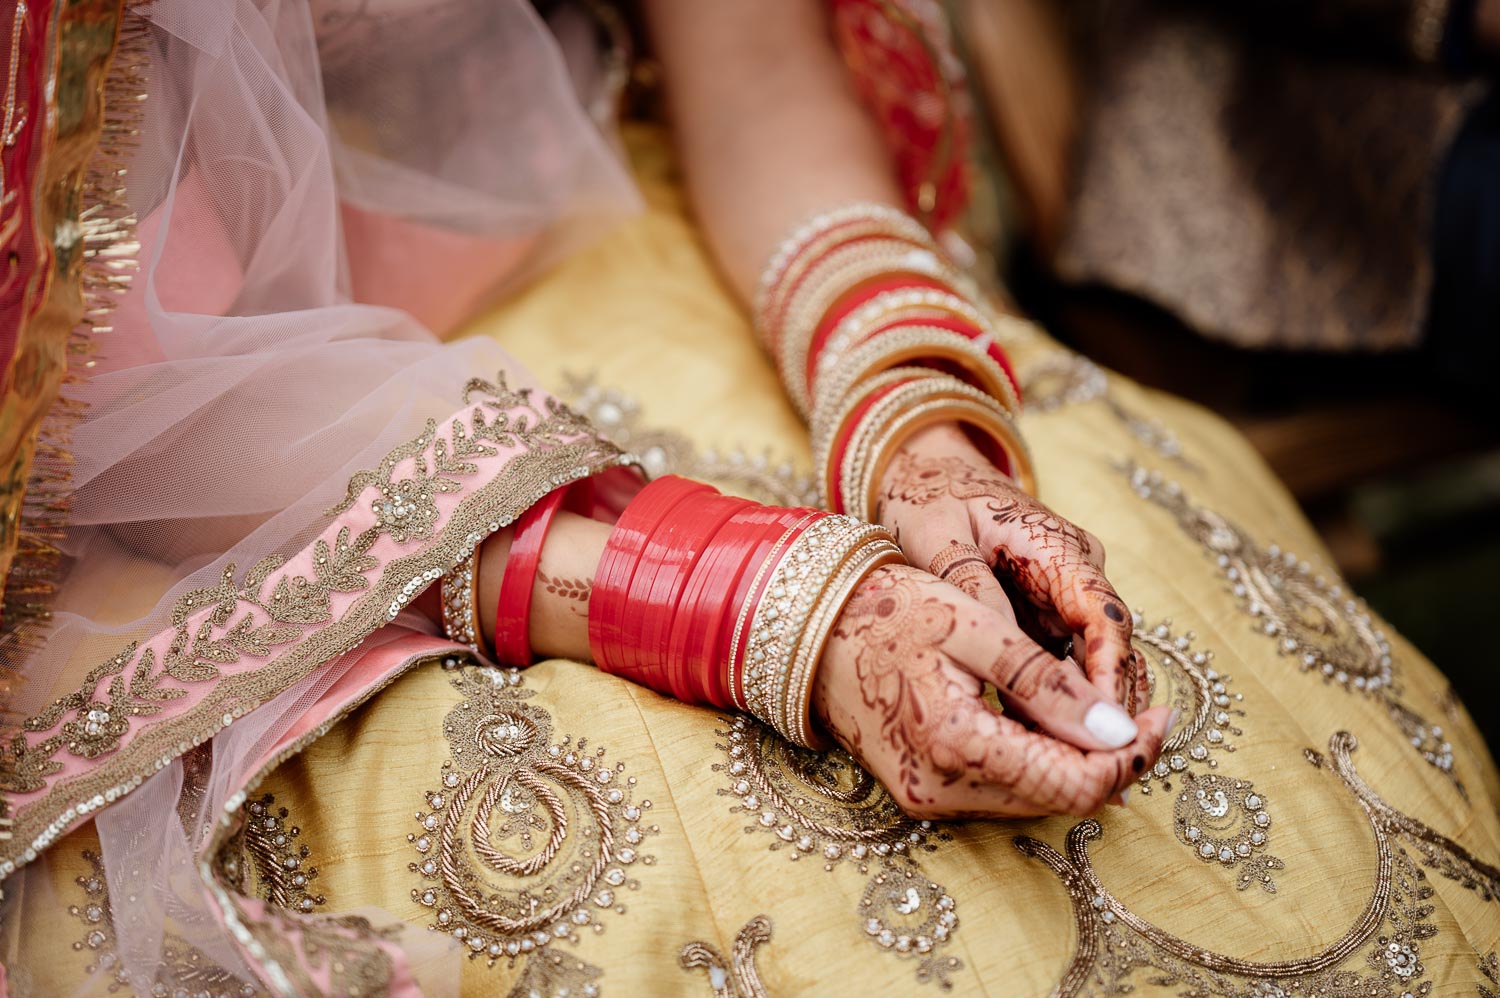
point(1487, 27)
point(559, 622)
point(768, 126)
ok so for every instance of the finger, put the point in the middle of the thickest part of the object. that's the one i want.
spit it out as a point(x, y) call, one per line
point(1062, 780)
point(1037, 773)
point(1053, 693)
point(964, 565)
point(1090, 605)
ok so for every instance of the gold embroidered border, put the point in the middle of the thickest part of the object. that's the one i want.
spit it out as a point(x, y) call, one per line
point(522, 482)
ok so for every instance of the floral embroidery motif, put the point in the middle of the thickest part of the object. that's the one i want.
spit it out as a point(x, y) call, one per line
point(405, 508)
point(1115, 944)
point(1326, 629)
point(1225, 821)
point(1489, 966)
point(664, 451)
point(737, 977)
point(824, 806)
point(1065, 379)
point(528, 840)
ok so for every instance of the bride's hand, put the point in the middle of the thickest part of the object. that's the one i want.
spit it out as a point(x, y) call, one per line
point(900, 686)
point(965, 521)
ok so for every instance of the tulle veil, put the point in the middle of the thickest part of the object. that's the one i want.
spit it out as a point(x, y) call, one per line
point(322, 190)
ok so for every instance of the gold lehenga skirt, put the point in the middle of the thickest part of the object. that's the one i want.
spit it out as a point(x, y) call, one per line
point(1324, 822)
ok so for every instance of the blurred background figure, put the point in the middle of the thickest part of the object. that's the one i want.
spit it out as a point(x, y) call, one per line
point(1288, 212)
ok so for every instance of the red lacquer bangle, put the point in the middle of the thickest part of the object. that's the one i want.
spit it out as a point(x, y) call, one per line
point(617, 565)
point(513, 608)
point(850, 302)
point(841, 440)
point(694, 653)
point(672, 554)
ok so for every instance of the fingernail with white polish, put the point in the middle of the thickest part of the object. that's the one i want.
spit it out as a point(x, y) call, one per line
point(1125, 797)
point(1111, 725)
point(1172, 720)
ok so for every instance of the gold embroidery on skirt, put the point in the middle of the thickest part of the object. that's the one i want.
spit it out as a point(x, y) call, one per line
point(1197, 689)
point(265, 851)
point(1221, 819)
point(528, 839)
point(183, 968)
point(823, 805)
point(665, 451)
point(1489, 966)
point(1225, 821)
point(1064, 379)
point(1327, 629)
point(267, 845)
point(739, 977)
point(1114, 943)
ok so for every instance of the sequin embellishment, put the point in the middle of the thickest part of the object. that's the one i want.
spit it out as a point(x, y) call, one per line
point(1115, 944)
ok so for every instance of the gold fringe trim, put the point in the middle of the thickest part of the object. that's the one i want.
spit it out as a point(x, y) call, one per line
point(106, 231)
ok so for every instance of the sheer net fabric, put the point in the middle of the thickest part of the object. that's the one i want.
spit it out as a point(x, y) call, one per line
point(322, 189)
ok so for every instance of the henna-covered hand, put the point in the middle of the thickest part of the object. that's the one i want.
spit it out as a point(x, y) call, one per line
point(901, 687)
point(958, 515)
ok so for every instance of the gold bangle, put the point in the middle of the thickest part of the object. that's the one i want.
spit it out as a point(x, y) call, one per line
point(822, 292)
point(459, 590)
point(854, 236)
point(983, 415)
point(792, 593)
point(889, 307)
point(737, 682)
point(869, 556)
point(907, 345)
point(827, 423)
point(860, 449)
point(866, 216)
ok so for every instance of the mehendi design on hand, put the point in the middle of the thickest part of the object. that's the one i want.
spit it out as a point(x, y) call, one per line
point(1050, 569)
point(577, 590)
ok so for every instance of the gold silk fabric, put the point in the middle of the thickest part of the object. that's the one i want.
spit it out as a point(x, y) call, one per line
point(1324, 822)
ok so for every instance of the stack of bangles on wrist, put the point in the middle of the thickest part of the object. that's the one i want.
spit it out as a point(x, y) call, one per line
point(460, 587)
point(703, 597)
point(712, 599)
point(875, 340)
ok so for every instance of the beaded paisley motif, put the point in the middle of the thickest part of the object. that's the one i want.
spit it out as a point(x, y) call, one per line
point(737, 977)
point(1327, 630)
point(528, 840)
point(1185, 679)
point(1065, 379)
point(823, 806)
point(1116, 945)
point(268, 845)
point(1221, 819)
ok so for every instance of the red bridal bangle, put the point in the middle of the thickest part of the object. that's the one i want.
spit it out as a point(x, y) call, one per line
point(851, 302)
point(694, 654)
point(670, 558)
point(513, 608)
point(617, 566)
point(842, 438)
